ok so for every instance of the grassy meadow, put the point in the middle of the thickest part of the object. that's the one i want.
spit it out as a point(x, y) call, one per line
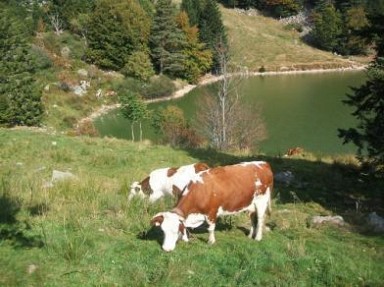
point(84, 232)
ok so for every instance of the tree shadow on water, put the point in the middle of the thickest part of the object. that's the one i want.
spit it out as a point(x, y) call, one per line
point(11, 229)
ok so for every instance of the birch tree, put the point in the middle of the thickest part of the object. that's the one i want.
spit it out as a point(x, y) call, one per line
point(223, 117)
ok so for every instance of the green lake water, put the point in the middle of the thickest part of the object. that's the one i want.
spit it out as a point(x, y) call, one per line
point(301, 110)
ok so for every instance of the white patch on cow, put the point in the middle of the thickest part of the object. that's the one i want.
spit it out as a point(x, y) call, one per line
point(162, 184)
point(259, 164)
point(135, 190)
point(170, 227)
point(262, 203)
point(197, 177)
point(184, 175)
point(194, 220)
point(258, 183)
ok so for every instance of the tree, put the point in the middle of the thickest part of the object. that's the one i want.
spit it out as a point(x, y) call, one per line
point(212, 31)
point(193, 9)
point(167, 40)
point(224, 119)
point(326, 26)
point(117, 28)
point(135, 110)
point(368, 101)
point(20, 96)
point(282, 8)
point(139, 66)
point(197, 59)
point(175, 128)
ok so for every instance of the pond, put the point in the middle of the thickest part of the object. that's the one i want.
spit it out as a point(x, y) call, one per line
point(299, 110)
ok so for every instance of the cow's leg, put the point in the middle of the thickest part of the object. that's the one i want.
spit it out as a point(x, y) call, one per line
point(253, 216)
point(262, 204)
point(211, 230)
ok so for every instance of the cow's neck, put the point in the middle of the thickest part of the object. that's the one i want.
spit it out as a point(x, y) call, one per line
point(184, 208)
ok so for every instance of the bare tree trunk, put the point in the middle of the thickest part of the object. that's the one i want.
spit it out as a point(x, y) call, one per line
point(132, 131)
point(56, 23)
point(141, 132)
point(227, 123)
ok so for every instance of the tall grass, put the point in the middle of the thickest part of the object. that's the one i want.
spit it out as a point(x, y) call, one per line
point(84, 232)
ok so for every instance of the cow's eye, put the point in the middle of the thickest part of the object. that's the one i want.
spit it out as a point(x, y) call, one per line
point(137, 189)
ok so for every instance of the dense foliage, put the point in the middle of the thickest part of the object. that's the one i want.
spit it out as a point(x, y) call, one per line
point(20, 95)
point(368, 101)
point(116, 30)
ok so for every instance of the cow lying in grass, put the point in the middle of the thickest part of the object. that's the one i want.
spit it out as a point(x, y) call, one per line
point(219, 191)
point(163, 181)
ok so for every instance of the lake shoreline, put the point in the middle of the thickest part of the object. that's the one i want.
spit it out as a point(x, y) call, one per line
point(209, 79)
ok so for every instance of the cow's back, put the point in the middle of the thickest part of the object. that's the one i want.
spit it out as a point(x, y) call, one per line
point(231, 188)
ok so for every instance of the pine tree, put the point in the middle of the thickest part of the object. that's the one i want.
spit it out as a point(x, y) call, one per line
point(327, 26)
point(198, 59)
point(167, 40)
point(116, 30)
point(368, 101)
point(193, 9)
point(20, 97)
point(212, 32)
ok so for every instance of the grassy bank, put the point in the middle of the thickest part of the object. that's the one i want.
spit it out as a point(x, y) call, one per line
point(257, 41)
point(83, 232)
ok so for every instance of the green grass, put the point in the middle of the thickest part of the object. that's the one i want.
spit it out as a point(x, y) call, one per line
point(84, 232)
point(257, 41)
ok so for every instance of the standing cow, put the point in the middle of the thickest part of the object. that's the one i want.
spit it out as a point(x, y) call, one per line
point(170, 180)
point(219, 191)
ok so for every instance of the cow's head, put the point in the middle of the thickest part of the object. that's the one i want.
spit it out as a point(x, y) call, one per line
point(173, 227)
point(136, 189)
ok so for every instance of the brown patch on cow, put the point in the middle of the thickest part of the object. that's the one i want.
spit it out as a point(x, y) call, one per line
point(171, 171)
point(230, 187)
point(200, 166)
point(176, 191)
point(158, 220)
point(181, 228)
point(146, 187)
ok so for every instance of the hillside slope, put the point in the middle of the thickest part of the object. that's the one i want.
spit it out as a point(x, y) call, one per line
point(84, 231)
point(256, 41)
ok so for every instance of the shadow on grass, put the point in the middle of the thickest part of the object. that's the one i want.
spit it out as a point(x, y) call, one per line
point(337, 186)
point(11, 229)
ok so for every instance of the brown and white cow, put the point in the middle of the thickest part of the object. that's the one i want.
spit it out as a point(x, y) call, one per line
point(170, 180)
point(219, 191)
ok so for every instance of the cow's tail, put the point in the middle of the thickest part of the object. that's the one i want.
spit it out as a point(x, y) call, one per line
point(269, 208)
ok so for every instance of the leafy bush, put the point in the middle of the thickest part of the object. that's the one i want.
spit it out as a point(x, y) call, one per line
point(156, 87)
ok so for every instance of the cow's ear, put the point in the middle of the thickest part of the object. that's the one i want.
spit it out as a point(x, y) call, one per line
point(181, 227)
point(157, 220)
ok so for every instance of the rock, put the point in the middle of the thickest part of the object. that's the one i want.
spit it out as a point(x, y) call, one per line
point(32, 268)
point(65, 52)
point(336, 220)
point(99, 94)
point(376, 222)
point(82, 72)
point(61, 175)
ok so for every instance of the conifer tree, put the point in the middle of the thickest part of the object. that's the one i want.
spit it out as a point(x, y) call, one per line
point(327, 26)
point(212, 32)
point(193, 9)
point(368, 101)
point(198, 59)
point(20, 97)
point(167, 40)
point(116, 30)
